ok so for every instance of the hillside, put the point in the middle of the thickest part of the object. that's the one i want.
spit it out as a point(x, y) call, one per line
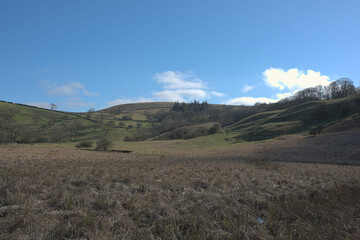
point(138, 111)
point(313, 116)
point(146, 121)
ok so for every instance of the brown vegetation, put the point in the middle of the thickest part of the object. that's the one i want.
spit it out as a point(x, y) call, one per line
point(55, 193)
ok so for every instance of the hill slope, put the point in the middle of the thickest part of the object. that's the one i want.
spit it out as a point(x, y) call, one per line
point(303, 117)
point(141, 121)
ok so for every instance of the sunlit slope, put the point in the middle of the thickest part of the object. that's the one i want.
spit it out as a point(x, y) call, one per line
point(297, 119)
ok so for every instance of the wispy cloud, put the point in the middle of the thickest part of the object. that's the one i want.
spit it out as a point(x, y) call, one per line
point(68, 89)
point(179, 80)
point(128, 100)
point(217, 94)
point(177, 86)
point(181, 95)
point(294, 79)
point(39, 104)
point(247, 88)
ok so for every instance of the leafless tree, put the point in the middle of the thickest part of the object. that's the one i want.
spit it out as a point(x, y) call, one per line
point(74, 127)
point(108, 125)
point(15, 130)
point(53, 106)
point(35, 117)
point(58, 133)
point(6, 115)
point(90, 112)
point(95, 124)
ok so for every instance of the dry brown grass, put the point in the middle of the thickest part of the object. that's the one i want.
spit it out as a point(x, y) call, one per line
point(53, 193)
point(335, 148)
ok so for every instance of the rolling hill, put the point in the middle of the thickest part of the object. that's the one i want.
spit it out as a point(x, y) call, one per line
point(157, 121)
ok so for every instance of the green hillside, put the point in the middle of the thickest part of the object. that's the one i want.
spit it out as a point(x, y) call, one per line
point(304, 117)
point(159, 121)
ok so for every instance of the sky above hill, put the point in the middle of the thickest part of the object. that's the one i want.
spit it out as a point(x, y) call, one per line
point(94, 54)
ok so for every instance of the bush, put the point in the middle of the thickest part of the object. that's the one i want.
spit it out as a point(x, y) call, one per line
point(41, 139)
point(214, 129)
point(316, 130)
point(85, 144)
point(103, 144)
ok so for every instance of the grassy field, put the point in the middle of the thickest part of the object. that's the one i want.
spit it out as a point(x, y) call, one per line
point(263, 177)
point(203, 188)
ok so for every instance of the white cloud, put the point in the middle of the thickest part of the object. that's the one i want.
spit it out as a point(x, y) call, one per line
point(68, 89)
point(294, 79)
point(178, 80)
point(39, 104)
point(284, 95)
point(250, 100)
point(217, 94)
point(177, 86)
point(127, 100)
point(181, 95)
point(182, 87)
point(247, 88)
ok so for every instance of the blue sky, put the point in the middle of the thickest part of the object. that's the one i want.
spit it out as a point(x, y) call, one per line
point(84, 54)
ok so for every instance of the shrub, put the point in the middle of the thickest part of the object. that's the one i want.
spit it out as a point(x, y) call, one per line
point(103, 144)
point(316, 130)
point(85, 144)
point(41, 139)
point(214, 129)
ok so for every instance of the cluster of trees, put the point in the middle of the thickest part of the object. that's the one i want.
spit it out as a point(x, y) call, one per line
point(194, 106)
point(338, 89)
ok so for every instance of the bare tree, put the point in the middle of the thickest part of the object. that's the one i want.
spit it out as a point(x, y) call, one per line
point(58, 133)
point(95, 124)
point(6, 115)
point(108, 125)
point(15, 131)
point(90, 112)
point(35, 117)
point(53, 106)
point(74, 127)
